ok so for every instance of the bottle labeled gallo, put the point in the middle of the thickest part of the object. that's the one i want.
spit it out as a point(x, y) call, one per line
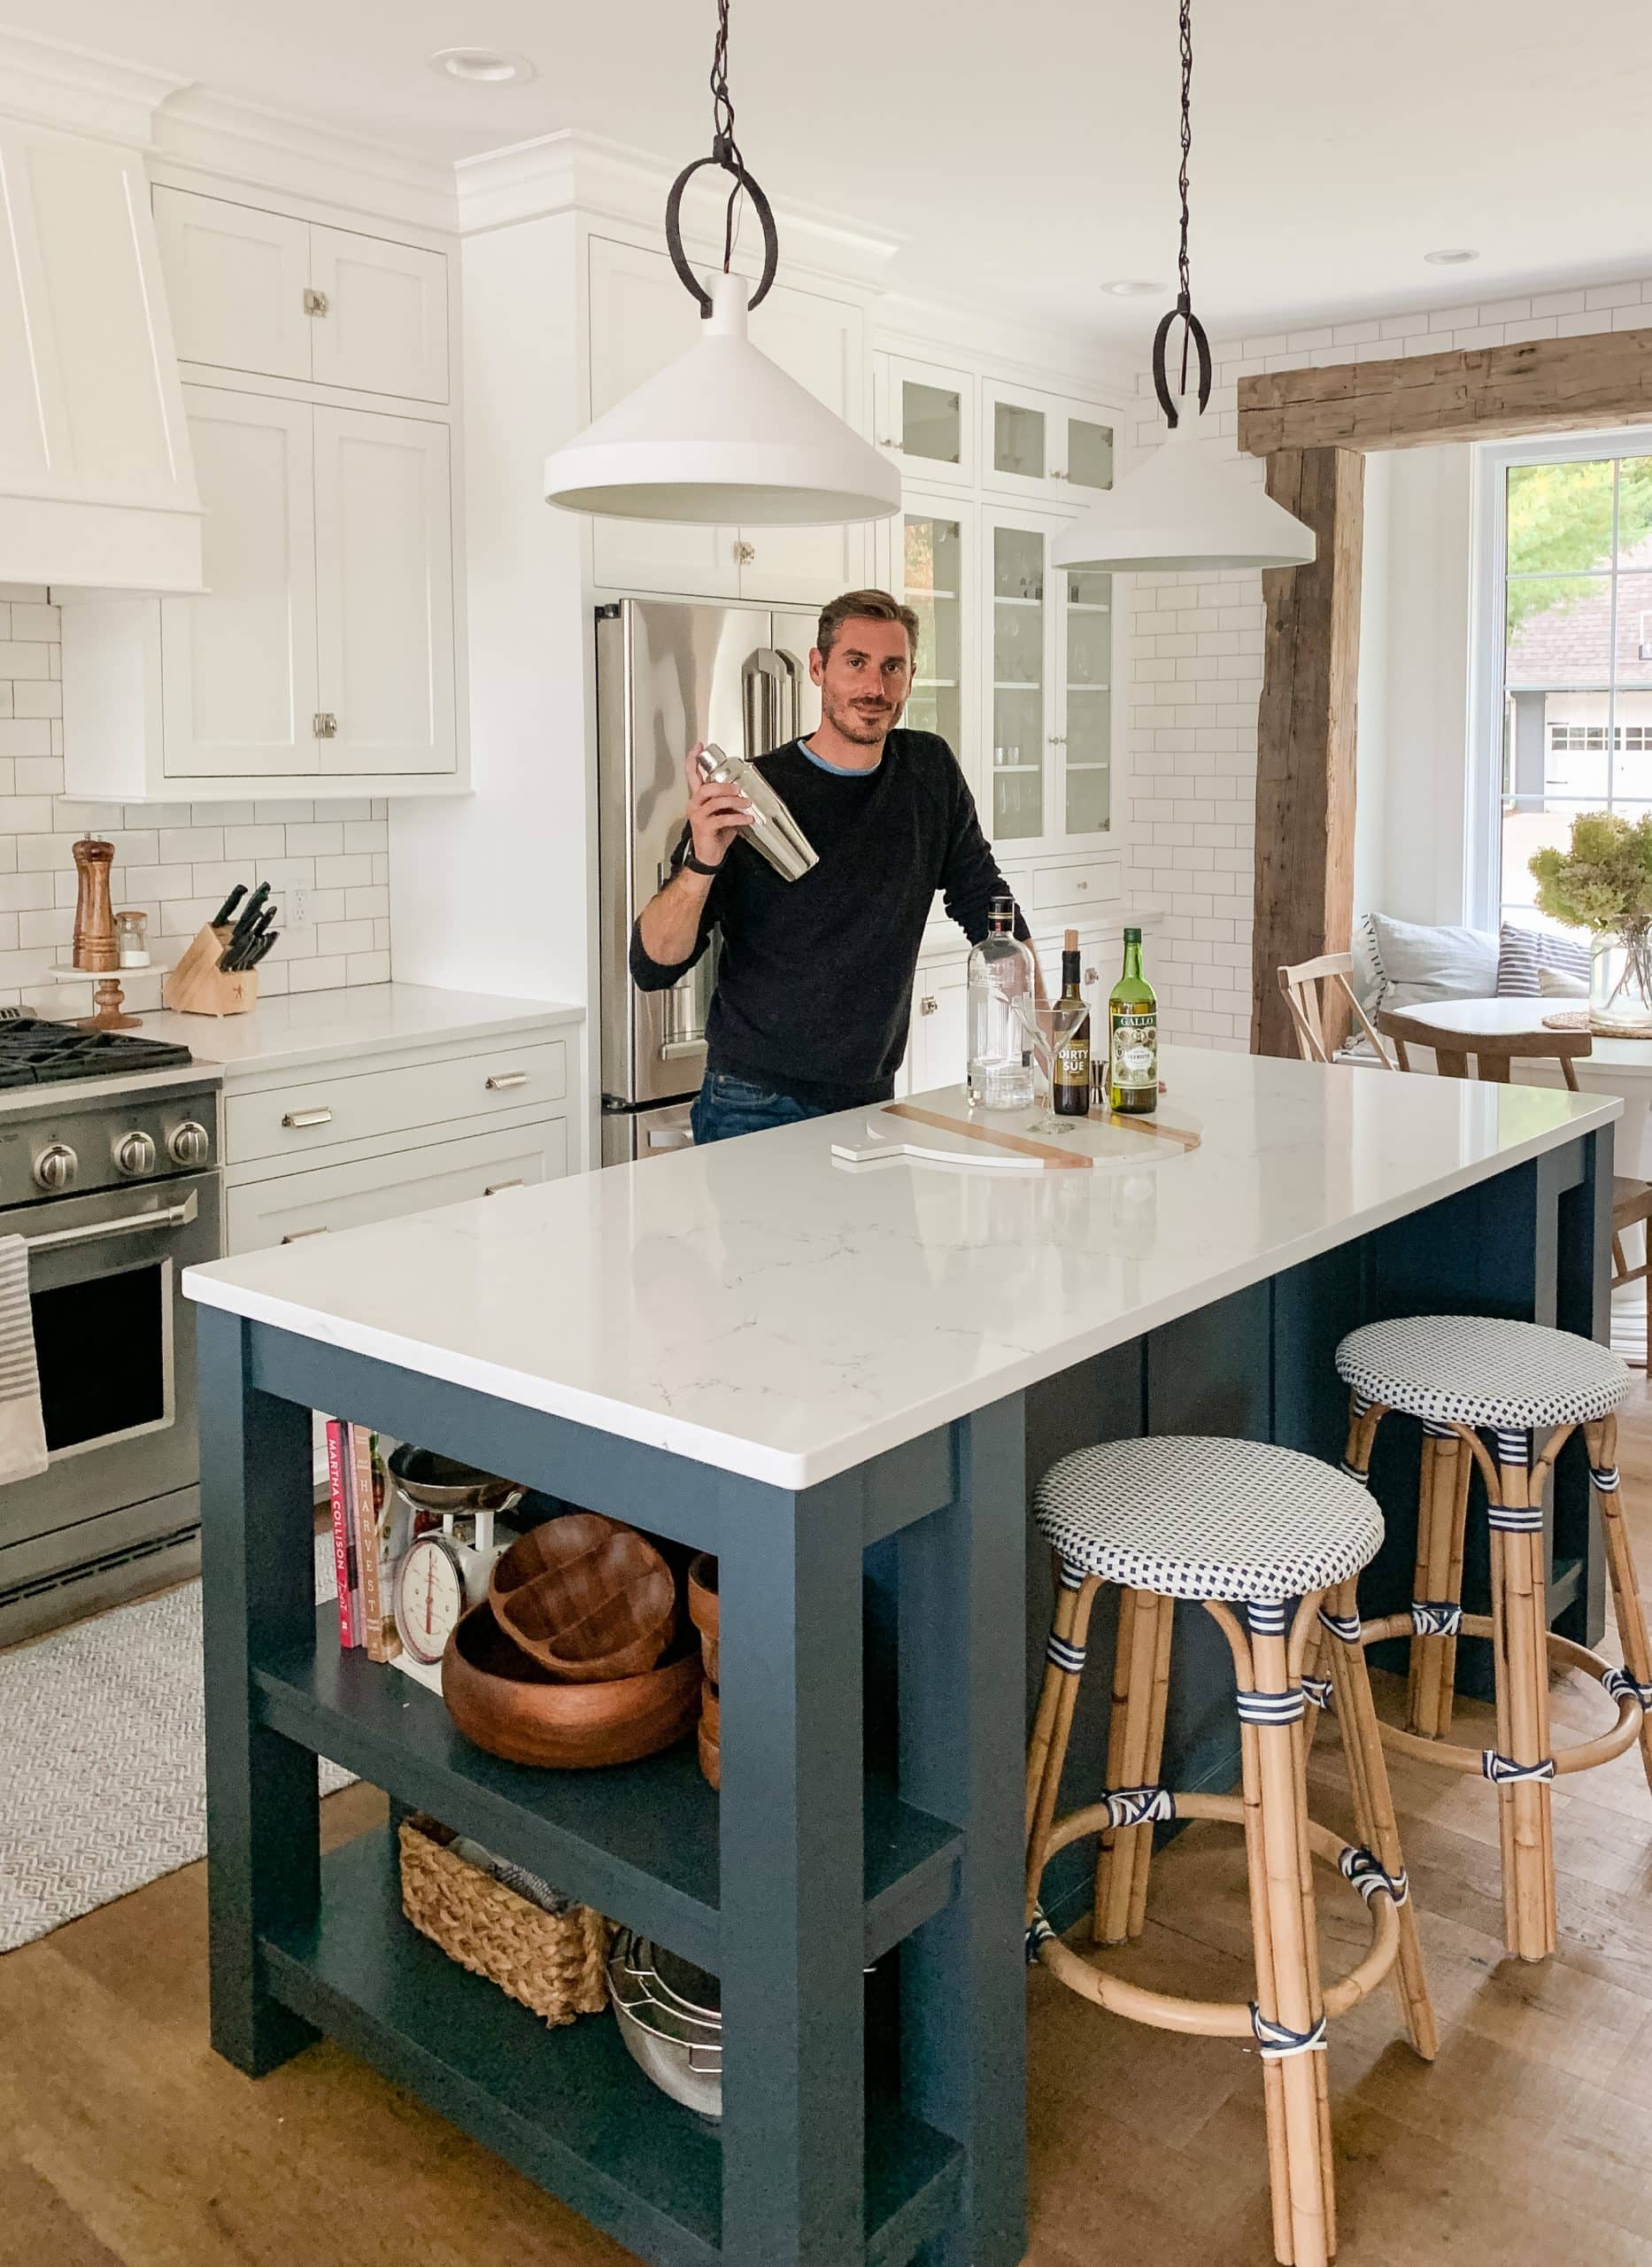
point(1072, 1055)
point(1133, 1028)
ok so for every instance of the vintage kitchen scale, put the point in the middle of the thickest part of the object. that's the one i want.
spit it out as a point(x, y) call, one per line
point(445, 1569)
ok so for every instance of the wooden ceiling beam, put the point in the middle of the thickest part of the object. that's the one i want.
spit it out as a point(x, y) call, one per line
point(1478, 393)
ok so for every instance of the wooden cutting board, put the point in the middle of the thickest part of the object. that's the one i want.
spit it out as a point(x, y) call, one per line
point(905, 1129)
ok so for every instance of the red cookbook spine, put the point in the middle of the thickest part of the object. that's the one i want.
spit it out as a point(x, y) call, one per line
point(342, 1553)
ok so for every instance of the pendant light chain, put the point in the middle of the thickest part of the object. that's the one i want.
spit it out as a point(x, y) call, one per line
point(1194, 339)
point(724, 148)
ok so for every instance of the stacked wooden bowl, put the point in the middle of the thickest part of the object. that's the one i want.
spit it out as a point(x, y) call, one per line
point(703, 1611)
point(574, 1660)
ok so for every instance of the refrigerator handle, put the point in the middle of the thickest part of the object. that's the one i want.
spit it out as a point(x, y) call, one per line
point(770, 685)
point(755, 692)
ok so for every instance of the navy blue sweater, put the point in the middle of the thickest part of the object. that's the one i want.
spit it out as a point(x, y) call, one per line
point(813, 992)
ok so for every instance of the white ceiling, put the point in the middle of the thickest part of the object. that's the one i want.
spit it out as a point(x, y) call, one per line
point(1026, 150)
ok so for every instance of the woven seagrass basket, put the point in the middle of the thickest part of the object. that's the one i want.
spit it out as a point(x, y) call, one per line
point(555, 1963)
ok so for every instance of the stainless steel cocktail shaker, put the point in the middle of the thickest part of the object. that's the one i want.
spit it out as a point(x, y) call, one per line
point(773, 831)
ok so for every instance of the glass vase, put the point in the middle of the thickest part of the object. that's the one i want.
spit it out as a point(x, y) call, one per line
point(1620, 987)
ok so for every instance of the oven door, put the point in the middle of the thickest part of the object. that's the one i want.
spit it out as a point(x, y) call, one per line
point(114, 1338)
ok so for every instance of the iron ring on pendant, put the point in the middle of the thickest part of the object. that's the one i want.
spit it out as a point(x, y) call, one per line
point(766, 218)
point(1202, 347)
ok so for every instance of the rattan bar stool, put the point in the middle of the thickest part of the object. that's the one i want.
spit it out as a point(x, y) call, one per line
point(1245, 1529)
point(1467, 1376)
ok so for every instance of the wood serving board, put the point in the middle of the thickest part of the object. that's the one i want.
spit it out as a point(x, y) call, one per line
point(905, 1129)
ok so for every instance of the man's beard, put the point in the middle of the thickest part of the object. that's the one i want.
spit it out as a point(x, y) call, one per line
point(856, 725)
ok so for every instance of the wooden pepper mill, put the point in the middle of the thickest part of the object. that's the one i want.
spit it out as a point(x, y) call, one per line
point(95, 946)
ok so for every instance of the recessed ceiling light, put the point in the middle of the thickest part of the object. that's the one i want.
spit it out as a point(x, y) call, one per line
point(1452, 256)
point(1129, 287)
point(487, 66)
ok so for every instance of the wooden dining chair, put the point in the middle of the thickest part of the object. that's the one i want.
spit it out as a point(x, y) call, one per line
point(1494, 1056)
point(1307, 1002)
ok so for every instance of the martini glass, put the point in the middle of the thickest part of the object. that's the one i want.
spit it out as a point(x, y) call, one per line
point(1048, 1027)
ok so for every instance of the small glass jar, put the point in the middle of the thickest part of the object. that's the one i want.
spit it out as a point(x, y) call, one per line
point(132, 939)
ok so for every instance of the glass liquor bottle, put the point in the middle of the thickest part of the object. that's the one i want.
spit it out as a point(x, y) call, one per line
point(1132, 1029)
point(1002, 972)
point(1071, 1082)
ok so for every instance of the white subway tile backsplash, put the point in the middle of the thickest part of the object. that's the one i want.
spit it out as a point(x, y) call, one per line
point(177, 861)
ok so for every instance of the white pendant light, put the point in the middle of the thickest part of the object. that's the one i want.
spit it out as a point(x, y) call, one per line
point(722, 436)
point(1193, 503)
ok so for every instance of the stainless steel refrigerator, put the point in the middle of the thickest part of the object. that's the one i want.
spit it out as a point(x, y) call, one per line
point(669, 673)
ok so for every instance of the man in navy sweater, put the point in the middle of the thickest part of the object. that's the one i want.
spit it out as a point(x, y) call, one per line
point(814, 991)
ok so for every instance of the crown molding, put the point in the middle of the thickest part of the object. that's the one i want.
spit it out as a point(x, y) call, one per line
point(1040, 355)
point(610, 181)
point(51, 84)
point(229, 139)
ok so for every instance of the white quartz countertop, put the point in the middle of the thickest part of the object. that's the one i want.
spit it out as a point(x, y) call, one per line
point(305, 1027)
point(760, 1307)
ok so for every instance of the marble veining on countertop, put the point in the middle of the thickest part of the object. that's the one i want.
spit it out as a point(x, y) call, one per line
point(761, 1307)
point(303, 1027)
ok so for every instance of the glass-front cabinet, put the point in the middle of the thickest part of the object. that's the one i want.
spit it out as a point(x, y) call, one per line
point(926, 419)
point(936, 557)
point(1043, 445)
point(1049, 750)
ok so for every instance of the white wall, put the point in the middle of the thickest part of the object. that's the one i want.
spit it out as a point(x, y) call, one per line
point(1194, 696)
point(1414, 684)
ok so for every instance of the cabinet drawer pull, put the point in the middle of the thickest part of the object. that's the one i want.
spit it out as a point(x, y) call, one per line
point(494, 1188)
point(744, 554)
point(324, 725)
point(297, 1118)
point(314, 301)
point(298, 1235)
point(929, 1005)
point(500, 1081)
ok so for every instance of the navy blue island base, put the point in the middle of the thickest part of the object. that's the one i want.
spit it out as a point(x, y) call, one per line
point(857, 1888)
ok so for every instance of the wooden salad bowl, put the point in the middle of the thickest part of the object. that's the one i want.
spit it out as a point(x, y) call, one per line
point(506, 1703)
point(704, 1608)
point(588, 1598)
point(711, 1736)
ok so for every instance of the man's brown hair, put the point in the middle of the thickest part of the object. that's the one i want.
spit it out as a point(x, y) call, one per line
point(865, 605)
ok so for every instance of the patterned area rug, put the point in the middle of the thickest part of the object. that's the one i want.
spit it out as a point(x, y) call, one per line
point(102, 1770)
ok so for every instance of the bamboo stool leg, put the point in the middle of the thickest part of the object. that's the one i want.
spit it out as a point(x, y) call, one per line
point(1262, 1941)
point(1602, 1439)
point(1373, 1809)
point(1523, 1765)
point(1308, 1619)
point(1046, 1752)
point(1442, 1513)
point(1135, 1747)
point(1299, 2164)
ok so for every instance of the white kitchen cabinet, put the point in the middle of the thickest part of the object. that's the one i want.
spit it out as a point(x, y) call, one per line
point(323, 651)
point(1045, 446)
point(928, 559)
point(238, 666)
point(383, 594)
point(275, 297)
point(1050, 693)
point(641, 319)
point(289, 1206)
point(925, 417)
point(235, 282)
point(938, 1050)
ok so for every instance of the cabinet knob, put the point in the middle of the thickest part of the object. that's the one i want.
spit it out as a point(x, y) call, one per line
point(315, 302)
point(890, 442)
point(929, 1005)
point(744, 554)
point(1092, 976)
point(324, 724)
point(1061, 476)
point(1058, 740)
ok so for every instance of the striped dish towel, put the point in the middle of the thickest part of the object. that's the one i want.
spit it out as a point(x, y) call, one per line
point(22, 1425)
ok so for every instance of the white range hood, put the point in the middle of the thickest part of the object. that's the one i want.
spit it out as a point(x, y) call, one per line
point(96, 482)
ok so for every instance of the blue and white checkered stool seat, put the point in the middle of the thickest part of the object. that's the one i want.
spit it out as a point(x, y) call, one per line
point(1187, 1517)
point(1477, 1371)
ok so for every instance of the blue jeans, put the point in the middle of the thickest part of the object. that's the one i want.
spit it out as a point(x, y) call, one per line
point(726, 1106)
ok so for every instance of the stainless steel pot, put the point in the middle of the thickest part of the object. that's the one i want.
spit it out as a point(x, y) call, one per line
point(670, 2017)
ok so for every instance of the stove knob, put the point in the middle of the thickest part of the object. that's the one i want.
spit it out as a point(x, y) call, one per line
point(188, 1144)
point(55, 1167)
point(135, 1153)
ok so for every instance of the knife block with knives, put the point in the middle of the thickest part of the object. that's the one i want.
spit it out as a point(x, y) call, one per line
point(218, 975)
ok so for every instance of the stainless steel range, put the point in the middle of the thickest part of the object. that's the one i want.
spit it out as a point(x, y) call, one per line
point(109, 1171)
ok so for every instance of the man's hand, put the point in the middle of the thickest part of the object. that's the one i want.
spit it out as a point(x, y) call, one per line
point(715, 813)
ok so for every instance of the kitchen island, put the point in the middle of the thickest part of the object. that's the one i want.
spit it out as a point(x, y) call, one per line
point(842, 1379)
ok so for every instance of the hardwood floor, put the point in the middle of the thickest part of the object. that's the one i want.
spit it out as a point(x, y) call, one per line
point(128, 2144)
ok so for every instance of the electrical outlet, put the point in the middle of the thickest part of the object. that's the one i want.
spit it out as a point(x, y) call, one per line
point(298, 914)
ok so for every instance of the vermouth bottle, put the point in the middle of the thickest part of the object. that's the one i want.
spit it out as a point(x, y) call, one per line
point(1072, 1055)
point(1132, 1029)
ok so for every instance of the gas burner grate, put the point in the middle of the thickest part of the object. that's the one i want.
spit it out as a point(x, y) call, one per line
point(33, 1053)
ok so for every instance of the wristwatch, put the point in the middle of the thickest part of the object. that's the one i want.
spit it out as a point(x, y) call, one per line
point(697, 865)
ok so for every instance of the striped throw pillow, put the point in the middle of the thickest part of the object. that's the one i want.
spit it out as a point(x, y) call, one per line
point(1521, 953)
